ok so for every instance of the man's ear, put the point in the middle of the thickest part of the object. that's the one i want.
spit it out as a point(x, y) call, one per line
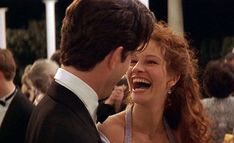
point(115, 57)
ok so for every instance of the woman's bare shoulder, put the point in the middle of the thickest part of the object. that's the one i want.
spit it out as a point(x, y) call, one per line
point(113, 122)
point(112, 125)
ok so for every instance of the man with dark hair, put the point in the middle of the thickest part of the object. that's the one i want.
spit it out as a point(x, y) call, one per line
point(98, 37)
point(15, 108)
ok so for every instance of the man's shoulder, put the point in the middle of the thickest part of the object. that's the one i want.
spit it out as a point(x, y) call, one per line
point(59, 122)
point(50, 110)
point(21, 103)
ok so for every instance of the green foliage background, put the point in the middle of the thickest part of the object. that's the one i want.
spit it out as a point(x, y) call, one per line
point(27, 45)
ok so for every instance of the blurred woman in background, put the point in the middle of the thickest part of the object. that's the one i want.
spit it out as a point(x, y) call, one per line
point(218, 82)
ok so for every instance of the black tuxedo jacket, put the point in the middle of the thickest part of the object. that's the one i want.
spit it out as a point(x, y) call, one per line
point(61, 117)
point(14, 124)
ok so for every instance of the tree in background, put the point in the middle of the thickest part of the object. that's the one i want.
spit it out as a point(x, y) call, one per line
point(27, 45)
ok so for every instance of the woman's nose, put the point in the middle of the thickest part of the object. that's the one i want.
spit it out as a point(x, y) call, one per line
point(138, 67)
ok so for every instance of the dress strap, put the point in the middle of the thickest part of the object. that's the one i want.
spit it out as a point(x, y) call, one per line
point(128, 125)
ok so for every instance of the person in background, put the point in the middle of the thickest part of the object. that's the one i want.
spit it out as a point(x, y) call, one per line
point(41, 74)
point(229, 138)
point(116, 102)
point(165, 93)
point(27, 87)
point(98, 38)
point(230, 58)
point(218, 82)
point(56, 57)
point(15, 108)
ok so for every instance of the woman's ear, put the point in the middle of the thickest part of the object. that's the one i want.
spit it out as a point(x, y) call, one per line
point(174, 79)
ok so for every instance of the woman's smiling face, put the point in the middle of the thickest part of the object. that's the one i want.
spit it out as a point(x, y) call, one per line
point(148, 76)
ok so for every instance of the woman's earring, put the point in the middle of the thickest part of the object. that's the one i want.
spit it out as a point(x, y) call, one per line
point(169, 91)
point(168, 104)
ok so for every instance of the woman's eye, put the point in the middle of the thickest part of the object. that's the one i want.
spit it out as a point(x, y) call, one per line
point(152, 62)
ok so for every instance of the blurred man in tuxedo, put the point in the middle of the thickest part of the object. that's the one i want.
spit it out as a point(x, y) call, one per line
point(15, 108)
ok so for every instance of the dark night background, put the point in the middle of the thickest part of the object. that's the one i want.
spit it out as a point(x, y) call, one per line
point(202, 18)
point(209, 24)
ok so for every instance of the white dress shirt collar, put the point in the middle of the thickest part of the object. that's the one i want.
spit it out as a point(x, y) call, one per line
point(4, 97)
point(85, 93)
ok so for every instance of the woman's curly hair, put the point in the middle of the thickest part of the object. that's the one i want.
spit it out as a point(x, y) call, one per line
point(183, 109)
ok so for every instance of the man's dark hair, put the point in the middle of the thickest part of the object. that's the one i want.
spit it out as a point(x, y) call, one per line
point(93, 28)
point(218, 79)
point(7, 64)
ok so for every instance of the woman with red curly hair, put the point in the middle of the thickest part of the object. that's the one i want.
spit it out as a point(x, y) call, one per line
point(165, 93)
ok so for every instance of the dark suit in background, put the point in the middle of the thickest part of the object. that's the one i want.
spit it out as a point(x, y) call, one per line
point(60, 118)
point(14, 125)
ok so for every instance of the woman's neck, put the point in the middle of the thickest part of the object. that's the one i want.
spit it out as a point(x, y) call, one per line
point(147, 121)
